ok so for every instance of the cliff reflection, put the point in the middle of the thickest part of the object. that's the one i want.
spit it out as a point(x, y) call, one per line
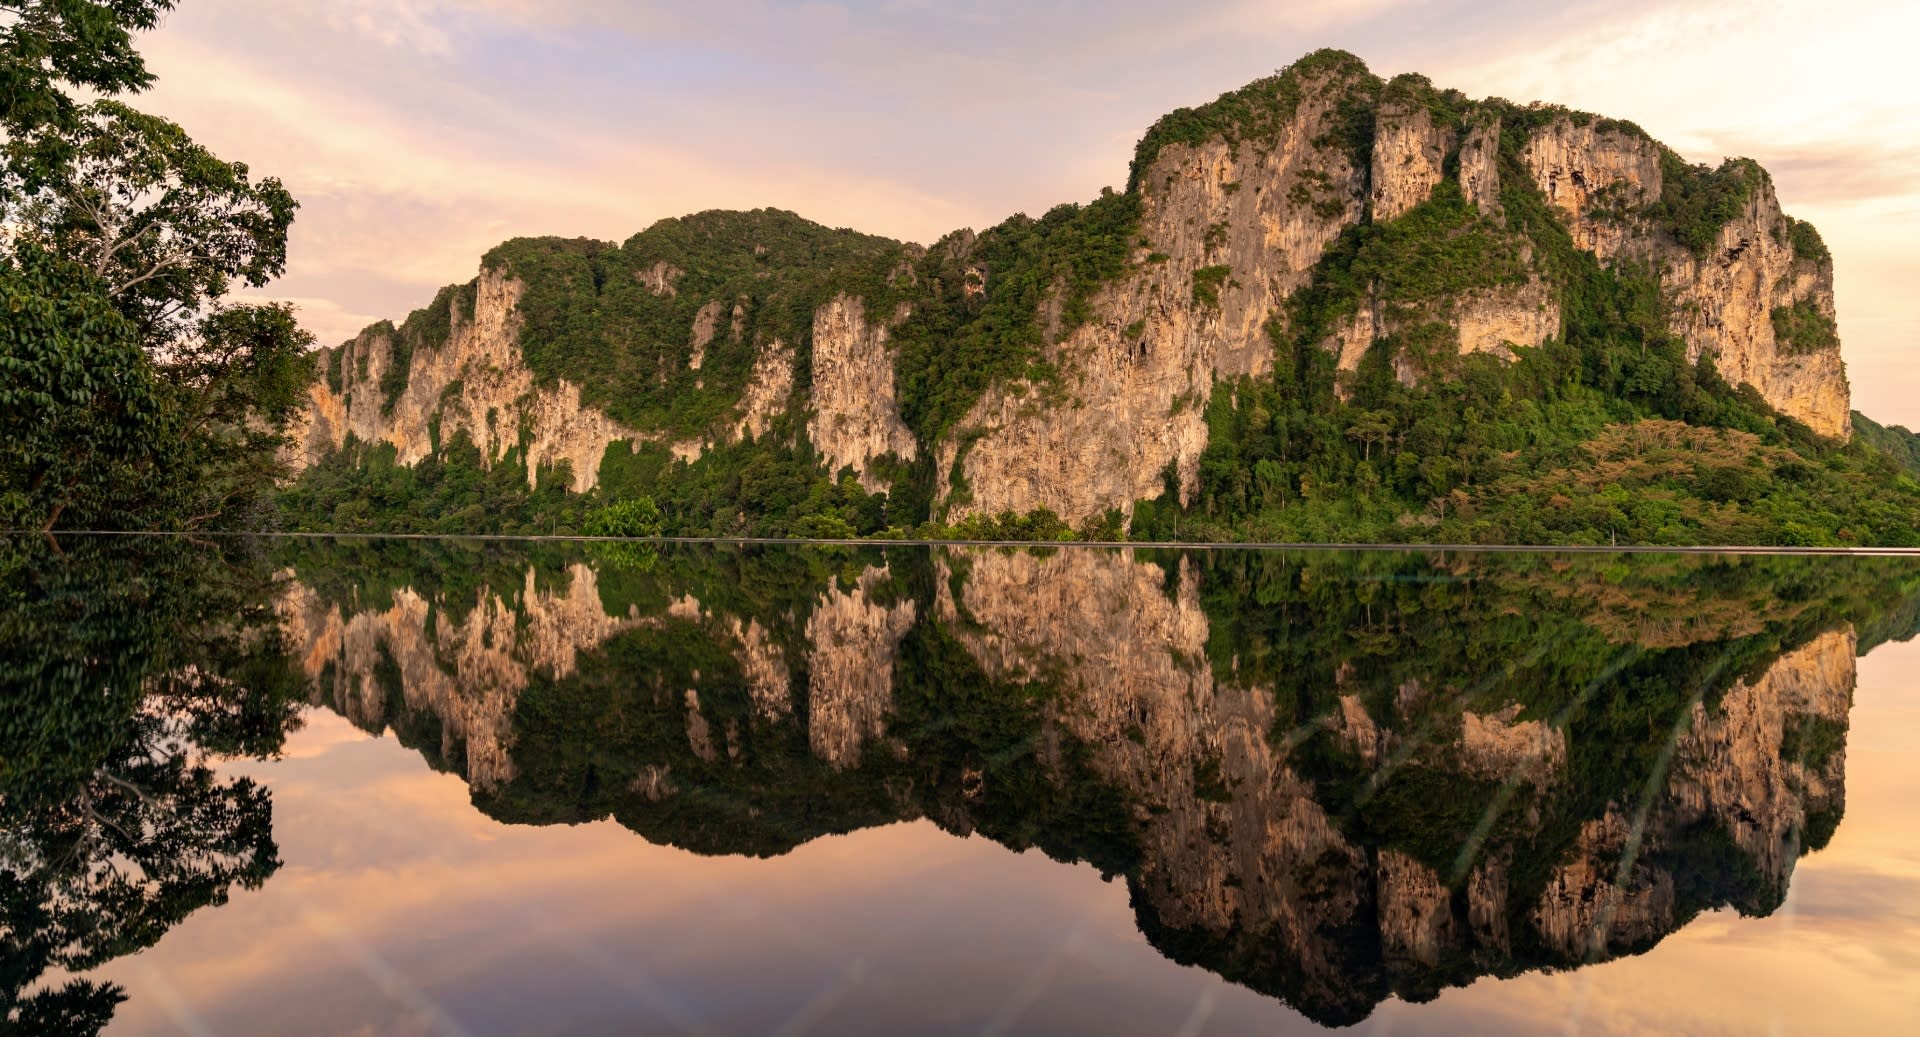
point(1329, 777)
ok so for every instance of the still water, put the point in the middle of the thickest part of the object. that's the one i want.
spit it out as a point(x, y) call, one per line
point(418, 787)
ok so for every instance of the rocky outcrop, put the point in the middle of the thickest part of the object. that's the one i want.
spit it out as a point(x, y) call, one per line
point(1589, 909)
point(1236, 209)
point(767, 390)
point(769, 679)
point(1496, 320)
point(1408, 153)
point(1235, 844)
point(855, 418)
point(1480, 166)
point(1492, 320)
point(1731, 766)
point(1135, 379)
point(477, 382)
point(1500, 747)
point(1602, 178)
point(1333, 834)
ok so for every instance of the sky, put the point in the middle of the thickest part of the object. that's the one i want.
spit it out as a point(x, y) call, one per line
point(417, 134)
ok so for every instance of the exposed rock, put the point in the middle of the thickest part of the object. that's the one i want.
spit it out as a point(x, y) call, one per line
point(705, 324)
point(1574, 164)
point(1128, 406)
point(1357, 730)
point(1252, 208)
point(855, 418)
point(1480, 167)
point(466, 674)
point(1416, 910)
point(1407, 154)
point(768, 679)
point(699, 731)
point(1587, 913)
point(1498, 748)
point(1729, 765)
point(1723, 302)
point(767, 390)
point(660, 278)
point(477, 382)
point(1496, 320)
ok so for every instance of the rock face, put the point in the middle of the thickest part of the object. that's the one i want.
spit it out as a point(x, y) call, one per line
point(855, 418)
point(1232, 223)
point(1723, 298)
point(1138, 374)
point(850, 684)
point(466, 675)
point(477, 383)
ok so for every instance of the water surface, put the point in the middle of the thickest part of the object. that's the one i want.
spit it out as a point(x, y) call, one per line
point(482, 788)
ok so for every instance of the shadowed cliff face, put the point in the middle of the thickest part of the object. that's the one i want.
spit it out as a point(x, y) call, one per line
point(1333, 778)
point(1076, 381)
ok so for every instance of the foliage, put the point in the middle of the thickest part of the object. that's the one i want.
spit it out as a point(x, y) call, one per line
point(618, 320)
point(978, 319)
point(1609, 657)
point(1697, 202)
point(1806, 242)
point(80, 410)
point(1206, 284)
point(167, 226)
point(1895, 441)
point(1255, 113)
point(132, 663)
point(427, 328)
point(1606, 433)
point(1802, 328)
point(635, 517)
point(137, 396)
point(49, 48)
point(364, 489)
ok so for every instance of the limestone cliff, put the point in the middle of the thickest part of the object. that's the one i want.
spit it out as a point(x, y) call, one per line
point(855, 417)
point(1068, 363)
point(1724, 294)
point(1237, 843)
point(476, 382)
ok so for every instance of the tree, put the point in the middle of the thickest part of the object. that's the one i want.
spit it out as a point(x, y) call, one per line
point(166, 226)
point(80, 408)
point(137, 395)
point(50, 46)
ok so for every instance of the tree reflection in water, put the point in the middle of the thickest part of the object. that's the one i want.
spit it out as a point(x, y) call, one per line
point(127, 668)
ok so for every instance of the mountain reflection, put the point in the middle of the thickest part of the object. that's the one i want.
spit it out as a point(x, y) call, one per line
point(1330, 777)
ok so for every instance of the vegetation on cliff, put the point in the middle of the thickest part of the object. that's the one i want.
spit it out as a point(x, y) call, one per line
point(1614, 430)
